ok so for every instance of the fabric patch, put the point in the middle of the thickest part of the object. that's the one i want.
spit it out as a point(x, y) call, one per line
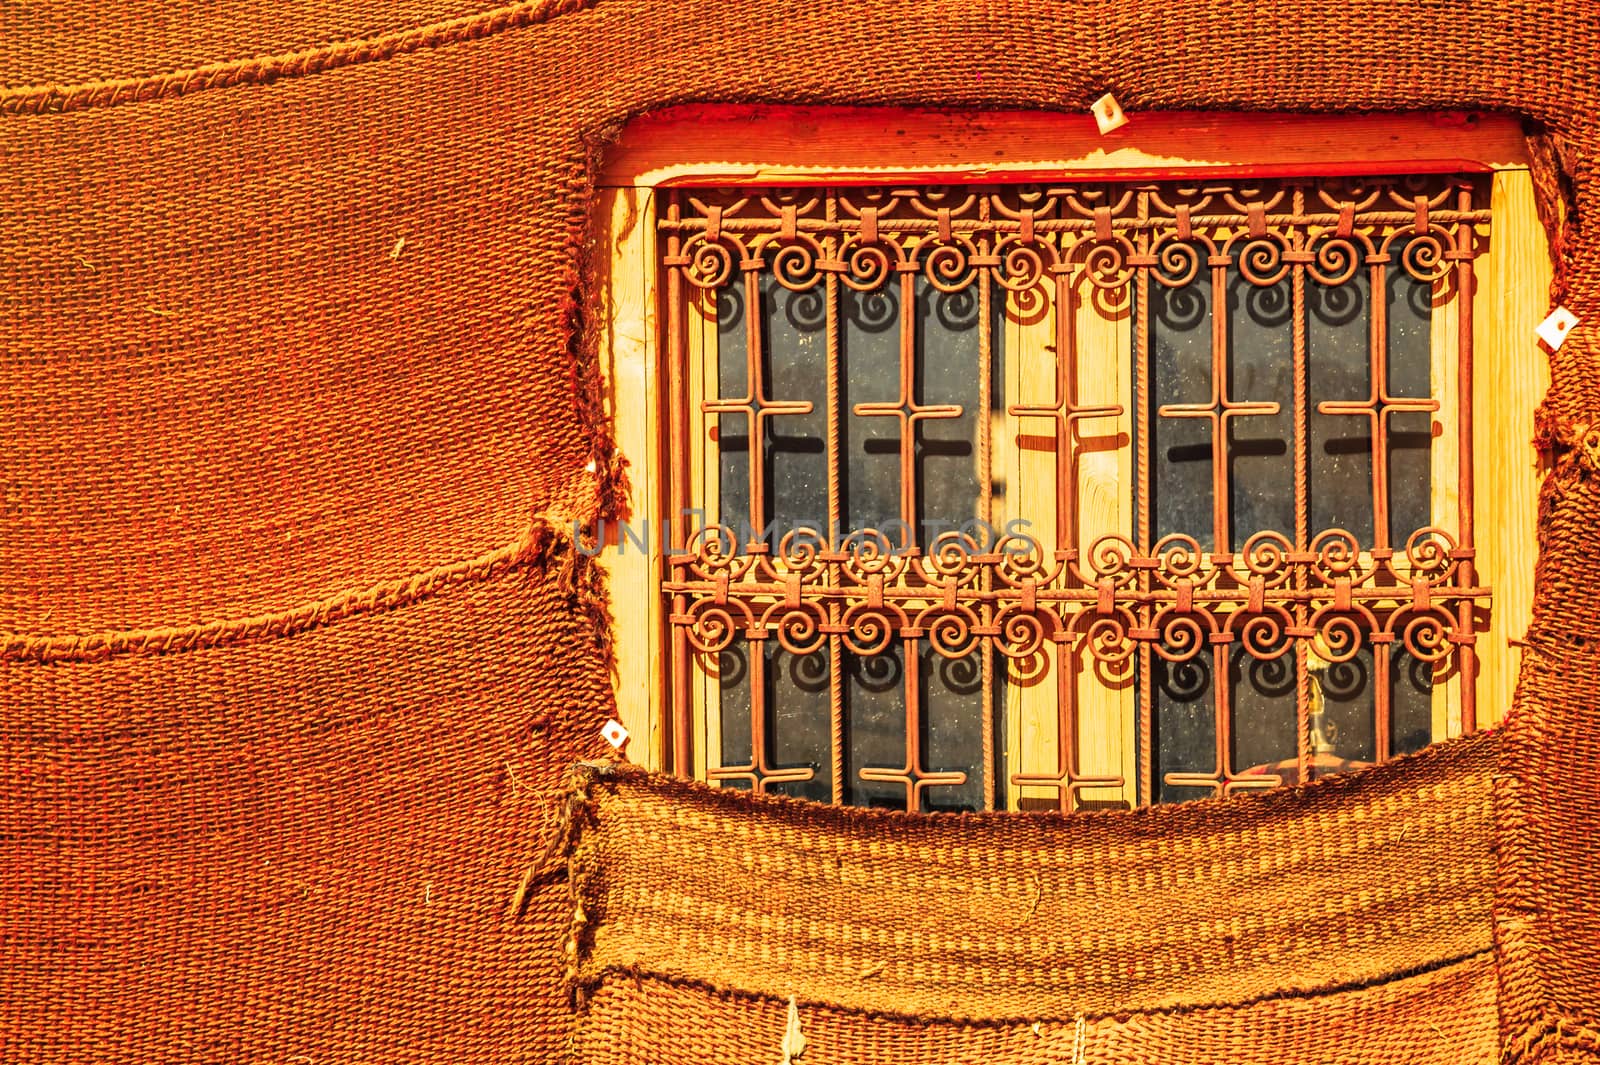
point(1315, 899)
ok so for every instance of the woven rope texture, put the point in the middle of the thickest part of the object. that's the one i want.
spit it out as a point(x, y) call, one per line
point(990, 917)
point(1351, 919)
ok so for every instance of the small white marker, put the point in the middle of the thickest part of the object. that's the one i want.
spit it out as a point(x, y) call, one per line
point(1554, 329)
point(614, 733)
point(794, 1040)
point(591, 467)
point(1108, 114)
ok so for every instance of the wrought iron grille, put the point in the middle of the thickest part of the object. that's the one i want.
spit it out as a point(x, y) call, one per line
point(1292, 546)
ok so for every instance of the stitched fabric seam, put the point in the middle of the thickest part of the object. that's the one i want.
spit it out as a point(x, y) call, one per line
point(264, 69)
point(544, 540)
point(592, 983)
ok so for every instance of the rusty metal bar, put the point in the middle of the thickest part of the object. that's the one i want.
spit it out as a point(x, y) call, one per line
point(834, 450)
point(1221, 533)
point(1087, 226)
point(1466, 632)
point(1065, 412)
point(1144, 489)
point(908, 425)
point(681, 709)
point(1382, 713)
point(1302, 487)
point(983, 426)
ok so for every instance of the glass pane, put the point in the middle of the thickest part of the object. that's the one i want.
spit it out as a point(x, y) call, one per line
point(794, 367)
point(1410, 703)
point(799, 725)
point(869, 360)
point(1349, 707)
point(1338, 346)
point(952, 727)
point(947, 352)
point(1184, 724)
point(796, 370)
point(1264, 713)
point(1180, 448)
point(733, 671)
point(875, 720)
point(733, 430)
point(1260, 446)
point(1410, 432)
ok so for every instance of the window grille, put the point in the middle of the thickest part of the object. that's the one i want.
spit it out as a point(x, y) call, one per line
point(951, 467)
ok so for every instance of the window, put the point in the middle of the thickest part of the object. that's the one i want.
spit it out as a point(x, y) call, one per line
point(1068, 492)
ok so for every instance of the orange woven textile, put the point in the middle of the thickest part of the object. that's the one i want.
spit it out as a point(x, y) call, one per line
point(298, 394)
point(1350, 919)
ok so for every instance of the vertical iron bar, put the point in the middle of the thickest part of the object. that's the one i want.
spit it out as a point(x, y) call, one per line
point(682, 760)
point(1382, 712)
point(830, 252)
point(1066, 398)
point(1222, 705)
point(1302, 497)
point(908, 426)
point(835, 459)
point(836, 705)
point(1066, 356)
point(1378, 363)
point(1219, 388)
point(908, 505)
point(1221, 669)
point(1145, 791)
point(756, 389)
point(983, 426)
point(758, 712)
point(1467, 575)
point(1067, 671)
point(913, 699)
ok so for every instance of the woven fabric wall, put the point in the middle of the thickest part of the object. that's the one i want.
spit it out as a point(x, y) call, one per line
point(1349, 921)
point(296, 404)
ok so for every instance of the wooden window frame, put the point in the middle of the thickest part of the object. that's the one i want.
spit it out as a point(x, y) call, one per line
point(739, 146)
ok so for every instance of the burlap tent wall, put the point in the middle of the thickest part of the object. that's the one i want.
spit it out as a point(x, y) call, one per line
point(293, 660)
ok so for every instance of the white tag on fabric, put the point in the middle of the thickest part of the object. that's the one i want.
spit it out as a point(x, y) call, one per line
point(1554, 329)
point(1108, 114)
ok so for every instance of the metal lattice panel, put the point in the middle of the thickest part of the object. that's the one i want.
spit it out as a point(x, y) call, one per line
point(1184, 585)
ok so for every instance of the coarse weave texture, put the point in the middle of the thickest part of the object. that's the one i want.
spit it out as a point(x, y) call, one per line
point(1252, 912)
point(992, 916)
point(297, 405)
point(1443, 1017)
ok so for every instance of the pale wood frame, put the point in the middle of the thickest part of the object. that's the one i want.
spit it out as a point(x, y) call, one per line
point(731, 146)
